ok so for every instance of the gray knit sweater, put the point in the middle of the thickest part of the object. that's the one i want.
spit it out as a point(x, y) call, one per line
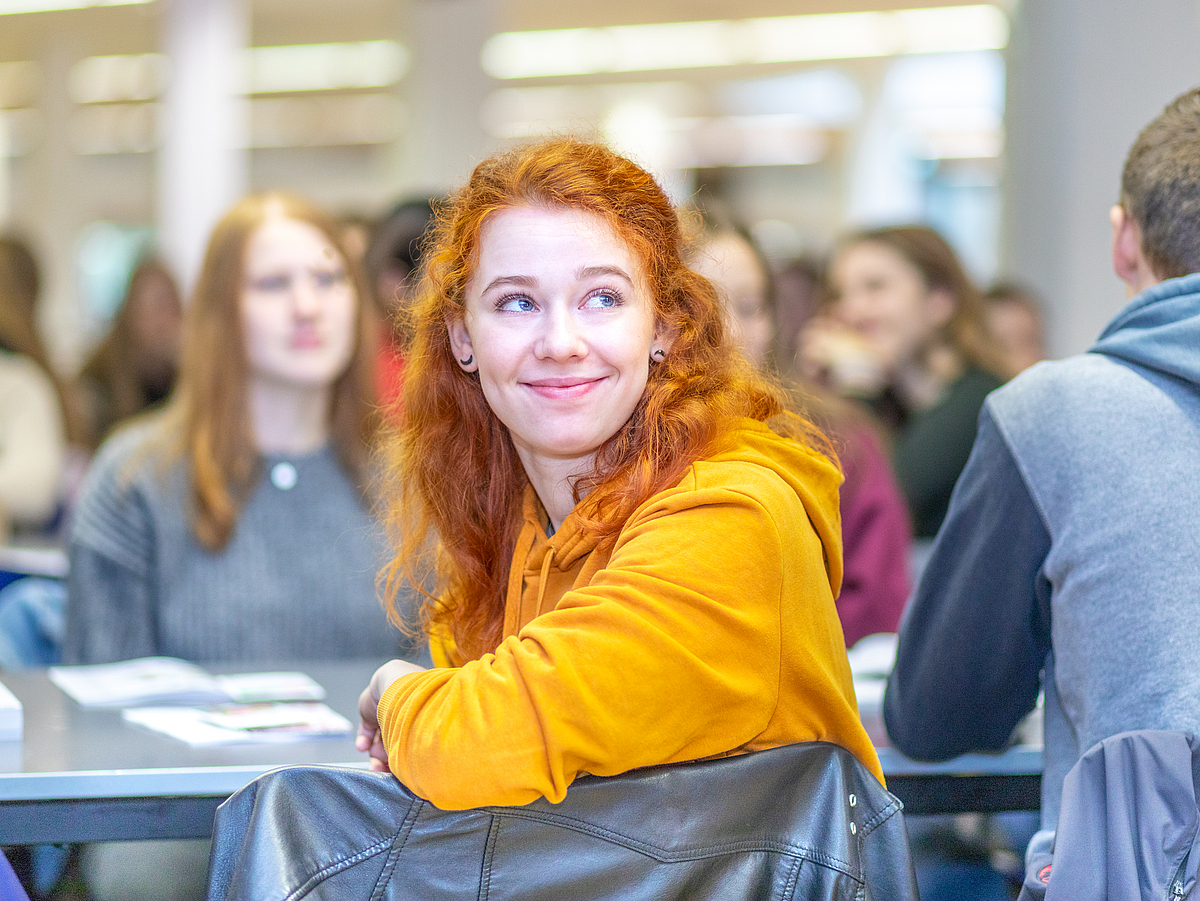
point(295, 582)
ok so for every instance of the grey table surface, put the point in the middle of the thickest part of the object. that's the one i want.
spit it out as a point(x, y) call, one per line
point(86, 775)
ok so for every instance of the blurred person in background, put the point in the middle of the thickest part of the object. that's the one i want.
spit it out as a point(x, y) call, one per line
point(904, 333)
point(133, 369)
point(875, 528)
point(234, 525)
point(391, 260)
point(1012, 315)
point(799, 294)
point(34, 407)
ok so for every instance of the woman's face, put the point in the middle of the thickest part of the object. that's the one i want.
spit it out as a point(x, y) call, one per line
point(298, 305)
point(560, 326)
point(731, 264)
point(883, 297)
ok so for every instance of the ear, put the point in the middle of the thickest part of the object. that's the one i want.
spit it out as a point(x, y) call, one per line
point(940, 306)
point(460, 343)
point(1127, 257)
point(665, 335)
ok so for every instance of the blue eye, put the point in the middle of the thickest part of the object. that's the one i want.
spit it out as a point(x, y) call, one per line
point(328, 278)
point(272, 283)
point(605, 299)
point(516, 303)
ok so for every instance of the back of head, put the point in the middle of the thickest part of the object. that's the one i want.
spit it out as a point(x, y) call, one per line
point(395, 249)
point(1160, 187)
point(20, 282)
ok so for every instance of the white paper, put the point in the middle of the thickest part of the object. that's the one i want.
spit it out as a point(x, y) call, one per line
point(168, 680)
point(239, 724)
point(12, 720)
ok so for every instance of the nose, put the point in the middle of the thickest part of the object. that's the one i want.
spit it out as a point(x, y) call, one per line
point(306, 297)
point(562, 336)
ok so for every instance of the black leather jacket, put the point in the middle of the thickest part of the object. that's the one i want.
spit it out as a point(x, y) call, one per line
point(804, 821)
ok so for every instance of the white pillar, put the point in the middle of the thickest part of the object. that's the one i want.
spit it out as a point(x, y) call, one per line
point(202, 159)
point(445, 91)
point(1084, 78)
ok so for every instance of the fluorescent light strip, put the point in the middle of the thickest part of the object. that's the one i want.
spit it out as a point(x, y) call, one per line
point(266, 70)
point(686, 45)
point(42, 6)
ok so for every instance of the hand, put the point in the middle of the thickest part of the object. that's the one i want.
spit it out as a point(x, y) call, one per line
point(370, 737)
point(838, 357)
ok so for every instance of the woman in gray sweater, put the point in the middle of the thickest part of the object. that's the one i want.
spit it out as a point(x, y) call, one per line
point(234, 526)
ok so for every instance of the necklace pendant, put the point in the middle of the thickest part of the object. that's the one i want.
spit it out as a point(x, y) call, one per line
point(283, 476)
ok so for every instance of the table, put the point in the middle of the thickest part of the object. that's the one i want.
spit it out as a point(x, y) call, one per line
point(85, 775)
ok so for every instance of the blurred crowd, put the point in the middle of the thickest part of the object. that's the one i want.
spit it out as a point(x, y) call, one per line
point(887, 342)
point(225, 439)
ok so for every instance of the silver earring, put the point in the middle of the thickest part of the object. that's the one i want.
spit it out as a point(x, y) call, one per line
point(659, 354)
point(467, 361)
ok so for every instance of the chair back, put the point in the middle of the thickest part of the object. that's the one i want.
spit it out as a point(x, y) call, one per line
point(804, 821)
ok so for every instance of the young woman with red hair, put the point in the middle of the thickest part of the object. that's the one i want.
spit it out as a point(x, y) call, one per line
point(632, 566)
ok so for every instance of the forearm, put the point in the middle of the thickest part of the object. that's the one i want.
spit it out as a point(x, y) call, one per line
point(976, 634)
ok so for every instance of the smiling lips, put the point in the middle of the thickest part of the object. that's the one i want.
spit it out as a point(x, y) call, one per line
point(563, 388)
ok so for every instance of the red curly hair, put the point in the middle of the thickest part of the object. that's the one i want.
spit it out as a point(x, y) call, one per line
point(451, 466)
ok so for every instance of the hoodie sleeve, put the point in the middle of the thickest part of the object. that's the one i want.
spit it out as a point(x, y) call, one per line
point(977, 630)
point(676, 650)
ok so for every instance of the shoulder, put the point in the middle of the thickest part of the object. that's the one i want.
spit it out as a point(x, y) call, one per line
point(24, 380)
point(782, 479)
point(1054, 385)
point(126, 480)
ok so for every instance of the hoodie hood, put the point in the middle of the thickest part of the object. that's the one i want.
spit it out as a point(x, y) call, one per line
point(1159, 330)
point(814, 478)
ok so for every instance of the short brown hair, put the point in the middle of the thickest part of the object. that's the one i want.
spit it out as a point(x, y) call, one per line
point(1160, 187)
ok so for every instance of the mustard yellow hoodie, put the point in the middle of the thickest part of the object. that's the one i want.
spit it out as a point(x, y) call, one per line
point(708, 629)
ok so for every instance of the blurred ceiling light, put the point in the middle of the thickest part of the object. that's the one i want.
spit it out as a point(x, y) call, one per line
point(325, 121)
point(102, 79)
point(759, 140)
point(19, 83)
point(325, 67)
point(268, 70)
point(680, 45)
point(38, 6)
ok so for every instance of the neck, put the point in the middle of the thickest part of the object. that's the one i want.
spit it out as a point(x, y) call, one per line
point(552, 480)
point(289, 419)
point(922, 383)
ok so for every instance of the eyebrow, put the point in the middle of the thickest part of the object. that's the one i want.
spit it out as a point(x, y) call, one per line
point(528, 281)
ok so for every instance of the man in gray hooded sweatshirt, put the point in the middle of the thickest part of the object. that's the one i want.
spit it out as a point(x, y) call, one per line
point(1070, 557)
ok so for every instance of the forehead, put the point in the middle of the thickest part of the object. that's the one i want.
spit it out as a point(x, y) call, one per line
point(873, 258)
point(283, 236)
point(546, 237)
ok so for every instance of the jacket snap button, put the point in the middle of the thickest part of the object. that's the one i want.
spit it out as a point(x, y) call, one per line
point(853, 800)
point(853, 829)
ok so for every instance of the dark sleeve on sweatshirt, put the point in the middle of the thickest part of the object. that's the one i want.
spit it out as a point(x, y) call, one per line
point(977, 630)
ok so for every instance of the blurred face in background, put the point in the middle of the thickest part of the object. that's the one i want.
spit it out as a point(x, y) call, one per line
point(1016, 330)
point(730, 263)
point(155, 318)
point(298, 306)
point(883, 297)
